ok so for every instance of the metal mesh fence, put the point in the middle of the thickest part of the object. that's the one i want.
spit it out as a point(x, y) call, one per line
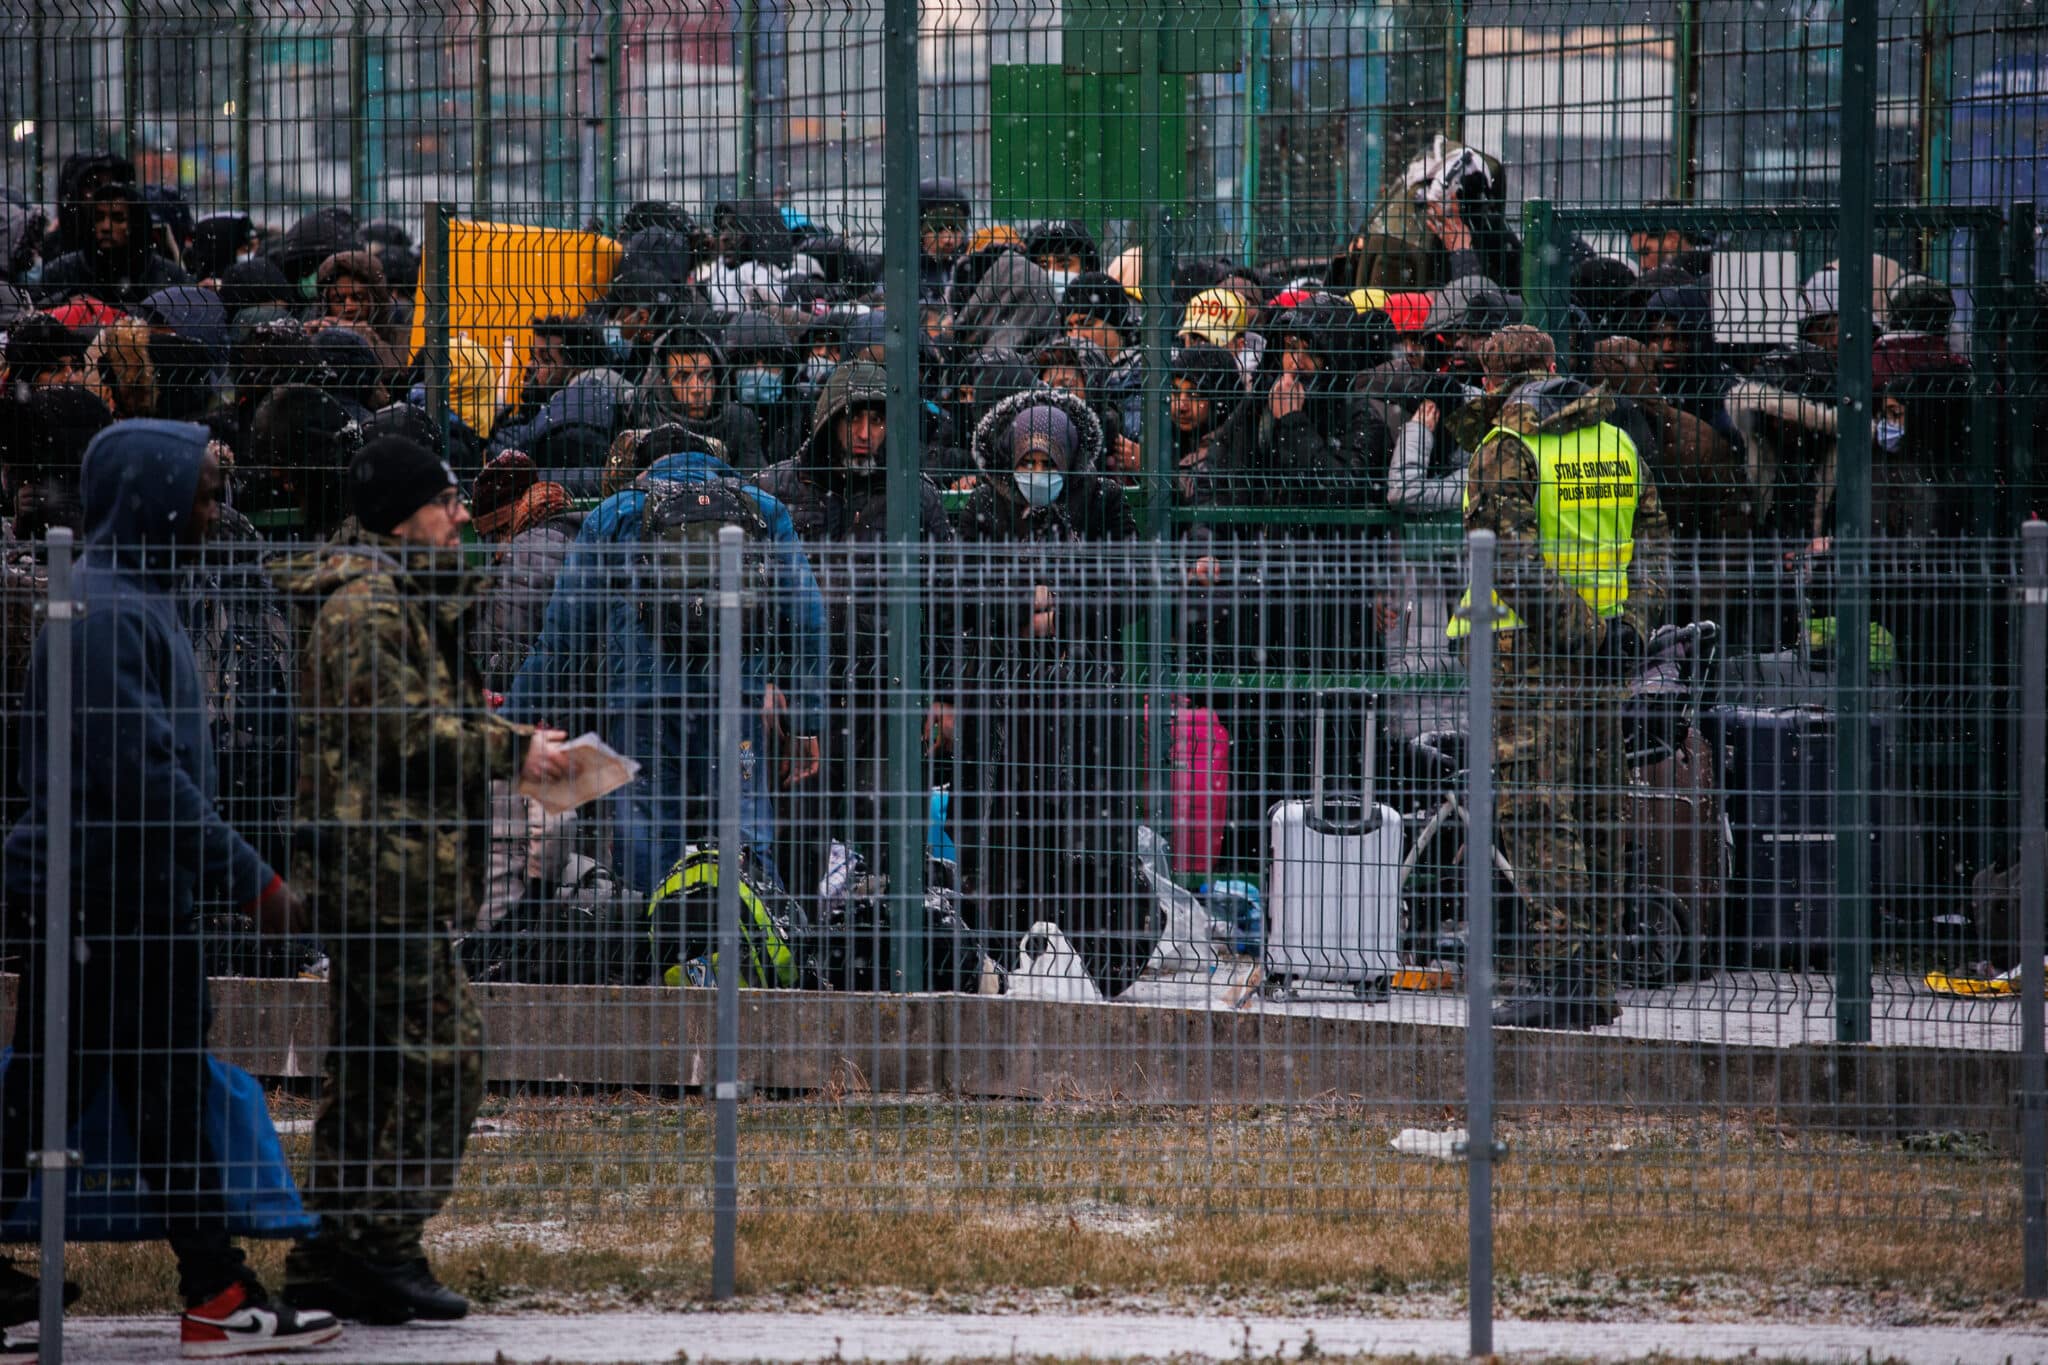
point(1070, 809)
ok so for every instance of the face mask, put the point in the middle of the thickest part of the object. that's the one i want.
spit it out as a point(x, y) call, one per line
point(615, 342)
point(818, 369)
point(1059, 279)
point(1889, 435)
point(758, 387)
point(1040, 488)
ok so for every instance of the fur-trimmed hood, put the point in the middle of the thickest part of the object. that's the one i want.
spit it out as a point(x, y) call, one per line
point(993, 427)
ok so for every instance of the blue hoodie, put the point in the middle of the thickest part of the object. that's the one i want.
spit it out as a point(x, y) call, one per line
point(595, 666)
point(146, 837)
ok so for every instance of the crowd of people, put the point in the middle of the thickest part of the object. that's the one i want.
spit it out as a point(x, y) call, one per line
point(748, 347)
point(373, 707)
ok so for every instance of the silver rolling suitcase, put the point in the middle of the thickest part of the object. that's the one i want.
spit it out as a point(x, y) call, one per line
point(1334, 897)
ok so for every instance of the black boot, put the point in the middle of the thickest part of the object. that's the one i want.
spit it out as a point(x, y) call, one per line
point(323, 1274)
point(384, 1293)
point(431, 1299)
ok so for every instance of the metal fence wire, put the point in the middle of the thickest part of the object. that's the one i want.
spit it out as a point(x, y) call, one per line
point(1097, 584)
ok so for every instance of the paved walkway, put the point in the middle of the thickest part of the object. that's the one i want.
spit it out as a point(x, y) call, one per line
point(1756, 1009)
point(666, 1337)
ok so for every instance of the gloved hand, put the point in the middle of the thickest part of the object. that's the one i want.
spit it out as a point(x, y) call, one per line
point(1621, 651)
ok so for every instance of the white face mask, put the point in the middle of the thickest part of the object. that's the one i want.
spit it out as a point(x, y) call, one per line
point(1060, 280)
point(1889, 435)
point(818, 369)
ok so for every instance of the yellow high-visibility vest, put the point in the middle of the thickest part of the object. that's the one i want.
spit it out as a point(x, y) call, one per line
point(1588, 483)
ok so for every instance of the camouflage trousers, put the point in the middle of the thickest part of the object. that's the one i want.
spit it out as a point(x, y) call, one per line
point(404, 1080)
point(1560, 779)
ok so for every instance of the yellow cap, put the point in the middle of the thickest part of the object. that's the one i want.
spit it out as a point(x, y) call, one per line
point(1218, 316)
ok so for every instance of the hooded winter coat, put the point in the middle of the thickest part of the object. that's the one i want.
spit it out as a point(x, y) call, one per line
point(74, 218)
point(735, 429)
point(1090, 590)
point(122, 279)
point(829, 502)
point(595, 665)
point(147, 839)
point(1090, 508)
point(1014, 307)
point(383, 330)
point(596, 404)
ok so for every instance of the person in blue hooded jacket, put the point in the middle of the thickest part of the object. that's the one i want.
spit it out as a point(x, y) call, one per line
point(147, 842)
point(596, 664)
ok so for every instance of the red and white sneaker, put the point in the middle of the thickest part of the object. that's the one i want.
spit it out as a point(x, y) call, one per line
point(241, 1321)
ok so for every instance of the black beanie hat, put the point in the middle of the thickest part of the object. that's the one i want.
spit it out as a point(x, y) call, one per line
point(390, 479)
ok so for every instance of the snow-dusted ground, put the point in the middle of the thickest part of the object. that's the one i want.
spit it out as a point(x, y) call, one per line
point(1752, 1008)
point(709, 1336)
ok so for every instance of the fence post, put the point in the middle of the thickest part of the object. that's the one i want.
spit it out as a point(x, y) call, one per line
point(1479, 1148)
point(245, 61)
point(1685, 97)
point(2025, 365)
point(749, 37)
point(439, 216)
point(1857, 240)
point(903, 809)
point(1454, 73)
point(54, 1159)
point(2033, 1096)
point(725, 1154)
point(480, 113)
point(611, 62)
point(131, 83)
point(39, 108)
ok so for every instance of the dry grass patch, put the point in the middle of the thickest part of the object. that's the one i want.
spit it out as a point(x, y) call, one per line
point(567, 1198)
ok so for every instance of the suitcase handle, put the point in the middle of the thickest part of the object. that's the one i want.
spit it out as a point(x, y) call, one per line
point(1318, 776)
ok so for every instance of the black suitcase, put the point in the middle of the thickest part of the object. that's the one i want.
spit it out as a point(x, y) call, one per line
point(1780, 788)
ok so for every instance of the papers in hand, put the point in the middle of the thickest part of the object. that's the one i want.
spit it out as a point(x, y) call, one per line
point(596, 769)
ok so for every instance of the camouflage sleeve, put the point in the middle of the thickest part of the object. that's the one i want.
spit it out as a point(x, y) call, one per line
point(363, 645)
point(1649, 568)
point(1502, 484)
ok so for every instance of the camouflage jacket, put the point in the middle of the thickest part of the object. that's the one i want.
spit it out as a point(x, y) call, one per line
point(1500, 496)
point(396, 747)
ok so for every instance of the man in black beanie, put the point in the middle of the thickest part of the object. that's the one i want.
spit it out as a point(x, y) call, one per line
point(397, 753)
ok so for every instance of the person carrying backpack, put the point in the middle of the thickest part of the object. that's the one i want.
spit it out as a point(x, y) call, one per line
point(629, 648)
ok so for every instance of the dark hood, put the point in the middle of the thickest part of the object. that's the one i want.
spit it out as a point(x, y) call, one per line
point(1686, 307)
point(763, 233)
point(995, 375)
point(853, 383)
point(687, 341)
point(993, 431)
point(137, 488)
point(194, 313)
point(660, 249)
point(320, 234)
point(141, 233)
point(74, 227)
point(215, 241)
point(1014, 306)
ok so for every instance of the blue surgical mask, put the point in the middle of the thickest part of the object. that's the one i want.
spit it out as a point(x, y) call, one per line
point(1889, 434)
point(757, 388)
point(1041, 488)
point(1060, 280)
point(615, 346)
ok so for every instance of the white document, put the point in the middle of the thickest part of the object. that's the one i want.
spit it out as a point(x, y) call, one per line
point(598, 770)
